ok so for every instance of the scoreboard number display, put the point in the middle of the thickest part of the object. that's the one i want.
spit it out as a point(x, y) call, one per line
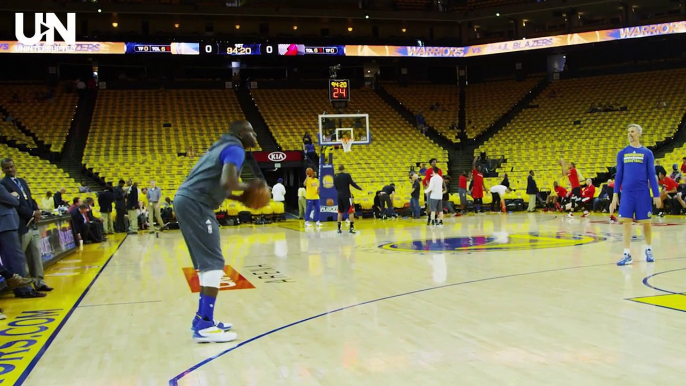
point(237, 49)
point(339, 90)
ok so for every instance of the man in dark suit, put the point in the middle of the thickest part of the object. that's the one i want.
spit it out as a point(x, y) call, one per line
point(96, 223)
point(120, 207)
point(81, 224)
point(105, 201)
point(10, 245)
point(29, 214)
point(132, 207)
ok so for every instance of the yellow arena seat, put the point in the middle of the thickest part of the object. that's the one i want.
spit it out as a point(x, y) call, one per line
point(562, 127)
point(277, 207)
point(49, 119)
point(10, 132)
point(140, 134)
point(486, 102)
point(41, 175)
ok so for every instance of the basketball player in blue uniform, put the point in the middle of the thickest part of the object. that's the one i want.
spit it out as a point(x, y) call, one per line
point(636, 177)
point(212, 180)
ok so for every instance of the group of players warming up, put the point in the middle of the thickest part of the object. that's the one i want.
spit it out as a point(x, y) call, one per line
point(215, 178)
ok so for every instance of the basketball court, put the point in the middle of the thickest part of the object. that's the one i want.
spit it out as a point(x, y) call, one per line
point(495, 299)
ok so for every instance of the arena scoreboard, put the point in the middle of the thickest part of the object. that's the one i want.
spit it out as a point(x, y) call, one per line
point(339, 90)
point(247, 48)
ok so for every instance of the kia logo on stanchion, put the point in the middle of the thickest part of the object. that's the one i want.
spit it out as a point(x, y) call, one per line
point(277, 156)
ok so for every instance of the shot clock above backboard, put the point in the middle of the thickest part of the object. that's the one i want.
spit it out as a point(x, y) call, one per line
point(339, 90)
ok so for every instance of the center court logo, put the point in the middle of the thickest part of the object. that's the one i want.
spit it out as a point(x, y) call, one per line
point(497, 242)
point(51, 23)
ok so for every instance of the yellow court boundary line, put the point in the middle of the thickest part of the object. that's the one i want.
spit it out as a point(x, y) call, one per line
point(33, 324)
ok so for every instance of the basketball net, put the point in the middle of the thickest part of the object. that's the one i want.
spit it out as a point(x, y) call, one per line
point(347, 144)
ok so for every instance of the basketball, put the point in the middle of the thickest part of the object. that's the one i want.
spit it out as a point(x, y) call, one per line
point(329, 202)
point(256, 199)
point(309, 172)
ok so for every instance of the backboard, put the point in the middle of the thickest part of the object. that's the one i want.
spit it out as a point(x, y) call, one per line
point(333, 128)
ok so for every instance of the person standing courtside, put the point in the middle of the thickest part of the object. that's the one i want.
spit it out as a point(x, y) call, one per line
point(29, 214)
point(120, 207)
point(132, 208)
point(478, 186)
point(532, 191)
point(342, 183)
point(435, 195)
point(414, 196)
point(302, 202)
point(105, 201)
point(279, 191)
point(10, 245)
point(154, 198)
point(462, 191)
point(427, 177)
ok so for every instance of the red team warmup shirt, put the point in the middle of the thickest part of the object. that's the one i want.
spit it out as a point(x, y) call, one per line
point(588, 193)
point(478, 184)
point(561, 192)
point(428, 174)
point(574, 178)
point(668, 183)
point(463, 182)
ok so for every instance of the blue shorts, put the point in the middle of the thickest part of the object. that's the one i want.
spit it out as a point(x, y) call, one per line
point(638, 203)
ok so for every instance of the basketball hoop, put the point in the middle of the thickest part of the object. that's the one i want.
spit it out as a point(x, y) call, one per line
point(347, 144)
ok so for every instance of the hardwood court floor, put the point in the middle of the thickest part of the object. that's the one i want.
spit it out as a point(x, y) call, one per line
point(522, 299)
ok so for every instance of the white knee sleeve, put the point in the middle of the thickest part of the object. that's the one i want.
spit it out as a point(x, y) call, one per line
point(211, 278)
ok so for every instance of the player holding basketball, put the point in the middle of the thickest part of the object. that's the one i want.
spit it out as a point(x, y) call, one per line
point(212, 180)
point(342, 183)
point(636, 177)
point(312, 197)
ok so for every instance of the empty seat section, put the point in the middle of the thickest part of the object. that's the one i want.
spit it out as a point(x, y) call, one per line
point(562, 127)
point(141, 134)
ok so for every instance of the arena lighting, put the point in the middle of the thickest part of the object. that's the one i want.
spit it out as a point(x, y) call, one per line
point(404, 30)
point(497, 14)
point(238, 26)
point(176, 25)
point(295, 28)
point(115, 24)
point(99, 10)
point(350, 29)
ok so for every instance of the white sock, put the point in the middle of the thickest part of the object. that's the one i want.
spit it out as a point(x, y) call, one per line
point(648, 248)
point(627, 251)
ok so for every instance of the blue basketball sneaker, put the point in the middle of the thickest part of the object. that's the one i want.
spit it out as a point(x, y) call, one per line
point(649, 256)
point(205, 331)
point(219, 325)
point(626, 260)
